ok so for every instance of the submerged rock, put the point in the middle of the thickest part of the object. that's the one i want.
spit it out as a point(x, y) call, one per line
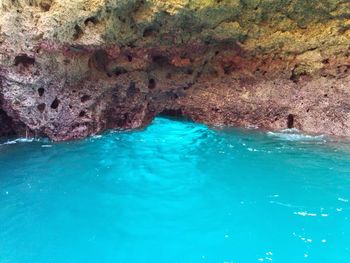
point(72, 68)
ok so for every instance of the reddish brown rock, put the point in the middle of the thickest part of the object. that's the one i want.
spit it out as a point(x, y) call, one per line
point(70, 69)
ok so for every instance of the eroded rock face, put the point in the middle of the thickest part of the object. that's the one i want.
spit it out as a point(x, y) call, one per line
point(72, 68)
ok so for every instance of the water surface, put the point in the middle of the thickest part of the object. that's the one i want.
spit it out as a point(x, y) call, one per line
point(176, 192)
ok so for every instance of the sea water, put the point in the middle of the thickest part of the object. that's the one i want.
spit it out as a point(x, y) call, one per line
point(176, 192)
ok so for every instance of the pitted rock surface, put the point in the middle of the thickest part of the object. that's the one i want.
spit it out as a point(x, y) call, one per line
point(73, 68)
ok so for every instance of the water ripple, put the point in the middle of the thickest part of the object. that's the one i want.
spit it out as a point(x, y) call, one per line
point(176, 192)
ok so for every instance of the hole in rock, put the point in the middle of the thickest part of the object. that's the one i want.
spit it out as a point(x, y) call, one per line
point(92, 20)
point(24, 60)
point(148, 32)
point(85, 98)
point(129, 57)
point(290, 121)
point(45, 5)
point(151, 84)
point(228, 69)
point(78, 32)
point(41, 107)
point(119, 70)
point(41, 91)
point(187, 86)
point(82, 114)
point(297, 76)
point(55, 103)
point(160, 60)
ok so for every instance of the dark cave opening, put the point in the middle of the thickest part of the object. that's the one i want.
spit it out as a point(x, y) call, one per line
point(174, 114)
point(6, 124)
point(8, 127)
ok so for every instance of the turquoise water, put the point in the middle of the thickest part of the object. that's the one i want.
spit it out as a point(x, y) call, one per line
point(176, 192)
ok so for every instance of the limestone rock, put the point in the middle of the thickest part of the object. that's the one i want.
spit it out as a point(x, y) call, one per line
point(72, 68)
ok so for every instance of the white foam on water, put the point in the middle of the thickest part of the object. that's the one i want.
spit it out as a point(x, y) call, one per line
point(285, 204)
point(295, 135)
point(304, 214)
point(9, 142)
point(252, 127)
point(252, 150)
point(343, 200)
point(21, 140)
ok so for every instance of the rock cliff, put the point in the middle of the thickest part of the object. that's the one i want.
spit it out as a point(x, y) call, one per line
point(72, 68)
